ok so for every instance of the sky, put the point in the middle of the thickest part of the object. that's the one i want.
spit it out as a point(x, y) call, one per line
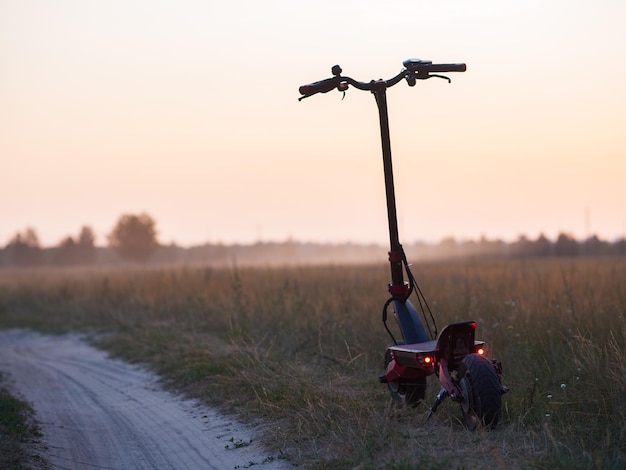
point(188, 111)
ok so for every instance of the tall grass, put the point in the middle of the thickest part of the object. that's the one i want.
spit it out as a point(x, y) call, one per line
point(18, 433)
point(301, 348)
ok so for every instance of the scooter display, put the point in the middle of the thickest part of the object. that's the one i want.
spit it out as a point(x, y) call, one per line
point(454, 356)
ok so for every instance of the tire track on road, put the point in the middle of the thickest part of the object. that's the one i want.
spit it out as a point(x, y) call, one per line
point(101, 413)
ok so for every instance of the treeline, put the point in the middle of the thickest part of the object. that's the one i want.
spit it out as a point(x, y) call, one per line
point(24, 250)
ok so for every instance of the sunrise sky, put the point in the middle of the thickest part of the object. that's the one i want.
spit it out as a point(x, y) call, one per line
point(188, 110)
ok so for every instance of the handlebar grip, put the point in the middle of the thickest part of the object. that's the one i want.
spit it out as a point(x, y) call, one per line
point(446, 68)
point(323, 86)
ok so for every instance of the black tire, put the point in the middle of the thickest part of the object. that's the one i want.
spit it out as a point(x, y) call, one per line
point(406, 392)
point(482, 392)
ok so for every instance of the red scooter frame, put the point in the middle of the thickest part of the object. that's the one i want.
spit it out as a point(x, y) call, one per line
point(455, 357)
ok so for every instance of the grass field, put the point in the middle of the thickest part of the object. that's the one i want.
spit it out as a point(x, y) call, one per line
point(18, 432)
point(300, 349)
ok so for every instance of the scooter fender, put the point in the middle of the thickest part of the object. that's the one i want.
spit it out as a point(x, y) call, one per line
point(412, 328)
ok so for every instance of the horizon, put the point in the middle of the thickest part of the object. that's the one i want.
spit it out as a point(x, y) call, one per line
point(189, 113)
point(457, 240)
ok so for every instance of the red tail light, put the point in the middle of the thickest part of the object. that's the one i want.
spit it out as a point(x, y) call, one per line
point(426, 361)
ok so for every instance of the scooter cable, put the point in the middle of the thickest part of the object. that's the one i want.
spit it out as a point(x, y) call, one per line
point(420, 297)
point(385, 307)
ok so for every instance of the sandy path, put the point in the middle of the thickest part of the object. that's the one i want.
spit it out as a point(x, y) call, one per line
point(100, 413)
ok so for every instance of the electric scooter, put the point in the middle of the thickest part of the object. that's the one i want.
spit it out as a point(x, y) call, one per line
point(454, 356)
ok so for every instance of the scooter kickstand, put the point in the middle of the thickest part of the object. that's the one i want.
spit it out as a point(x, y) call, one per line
point(443, 393)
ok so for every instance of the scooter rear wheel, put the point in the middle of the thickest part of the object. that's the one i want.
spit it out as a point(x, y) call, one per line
point(406, 392)
point(482, 392)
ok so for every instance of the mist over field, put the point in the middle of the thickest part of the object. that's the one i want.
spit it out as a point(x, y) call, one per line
point(24, 250)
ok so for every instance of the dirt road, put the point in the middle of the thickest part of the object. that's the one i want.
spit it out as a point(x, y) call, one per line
point(100, 413)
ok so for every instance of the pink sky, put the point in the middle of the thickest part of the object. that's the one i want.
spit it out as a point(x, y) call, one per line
point(188, 111)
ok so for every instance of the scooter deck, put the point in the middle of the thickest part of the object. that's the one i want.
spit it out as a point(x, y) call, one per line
point(425, 347)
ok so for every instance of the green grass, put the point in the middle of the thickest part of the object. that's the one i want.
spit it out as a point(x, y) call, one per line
point(301, 349)
point(17, 432)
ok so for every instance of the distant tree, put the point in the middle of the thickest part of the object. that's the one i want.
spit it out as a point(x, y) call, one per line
point(79, 251)
point(24, 249)
point(593, 246)
point(65, 253)
point(482, 247)
point(543, 246)
point(86, 246)
point(522, 247)
point(134, 237)
point(565, 246)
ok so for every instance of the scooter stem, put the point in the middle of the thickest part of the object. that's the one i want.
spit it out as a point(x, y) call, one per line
point(412, 328)
point(398, 287)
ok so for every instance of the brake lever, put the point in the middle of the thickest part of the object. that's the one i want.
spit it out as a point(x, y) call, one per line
point(440, 76)
point(412, 77)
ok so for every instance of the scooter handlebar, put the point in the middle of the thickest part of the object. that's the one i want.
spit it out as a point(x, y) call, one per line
point(322, 86)
point(426, 66)
point(414, 69)
point(447, 68)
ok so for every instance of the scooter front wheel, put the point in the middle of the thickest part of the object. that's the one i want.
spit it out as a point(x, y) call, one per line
point(406, 392)
point(482, 392)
